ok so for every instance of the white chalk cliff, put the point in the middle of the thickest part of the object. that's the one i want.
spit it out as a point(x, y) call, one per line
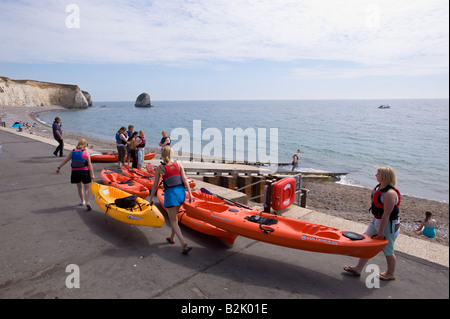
point(36, 93)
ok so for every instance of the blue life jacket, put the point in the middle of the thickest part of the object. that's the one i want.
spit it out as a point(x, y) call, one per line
point(77, 159)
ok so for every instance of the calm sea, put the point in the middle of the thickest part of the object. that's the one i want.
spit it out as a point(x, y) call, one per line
point(351, 136)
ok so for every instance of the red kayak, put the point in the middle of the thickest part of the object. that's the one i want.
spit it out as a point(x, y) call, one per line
point(124, 183)
point(114, 157)
point(199, 225)
point(151, 168)
point(138, 175)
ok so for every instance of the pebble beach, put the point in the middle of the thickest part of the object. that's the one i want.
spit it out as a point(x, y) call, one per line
point(344, 201)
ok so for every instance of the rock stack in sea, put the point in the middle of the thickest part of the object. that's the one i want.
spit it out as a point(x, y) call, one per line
point(36, 93)
point(143, 100)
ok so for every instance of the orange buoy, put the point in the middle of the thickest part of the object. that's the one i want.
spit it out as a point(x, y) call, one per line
point(283, 193)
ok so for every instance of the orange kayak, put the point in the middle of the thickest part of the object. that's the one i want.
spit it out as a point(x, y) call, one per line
point(199, 225)
point(138, 175)
point(280, 230)
point(151, 168)
point(124, 183)
point(113, 157)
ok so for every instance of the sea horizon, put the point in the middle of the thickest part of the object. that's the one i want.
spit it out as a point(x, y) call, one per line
point(334, 135)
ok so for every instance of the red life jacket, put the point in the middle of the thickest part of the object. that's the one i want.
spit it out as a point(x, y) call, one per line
point(172, 176)
point(142, 145)
point(377, 205)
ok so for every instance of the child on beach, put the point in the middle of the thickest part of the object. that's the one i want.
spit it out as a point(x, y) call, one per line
point(428, 226)
point(140, 148)
point(82, 171)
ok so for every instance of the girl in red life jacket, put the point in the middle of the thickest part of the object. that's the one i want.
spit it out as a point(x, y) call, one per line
point(82, 171)
point(140, 149)
point(175, 184)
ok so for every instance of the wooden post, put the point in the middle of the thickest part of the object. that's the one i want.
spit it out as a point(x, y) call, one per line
point(303, 199)
point(211, 179)
point(227, 181)
point(268, 196)
point(243, 181)
point(258, 189)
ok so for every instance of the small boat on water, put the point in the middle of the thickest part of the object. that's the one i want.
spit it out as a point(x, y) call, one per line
point(279, 230)
point(384, 106)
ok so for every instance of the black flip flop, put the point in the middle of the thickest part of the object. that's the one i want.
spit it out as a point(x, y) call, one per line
point(352, 271)
point(186, 250)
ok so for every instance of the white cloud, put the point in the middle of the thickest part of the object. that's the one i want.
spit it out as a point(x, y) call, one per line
point(376, 35)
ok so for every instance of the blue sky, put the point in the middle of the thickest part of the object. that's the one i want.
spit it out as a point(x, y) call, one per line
point(230, 49)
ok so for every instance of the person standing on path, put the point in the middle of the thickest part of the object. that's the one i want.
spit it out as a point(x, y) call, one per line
point(58, 135)
point(82, 171)
point(165, 140)
point(175, 187)
point(140, 149)
point(385, 223)
point(121, 143)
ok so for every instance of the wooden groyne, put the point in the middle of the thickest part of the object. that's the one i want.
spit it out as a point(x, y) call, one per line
point(209, 169)
point(252, 180)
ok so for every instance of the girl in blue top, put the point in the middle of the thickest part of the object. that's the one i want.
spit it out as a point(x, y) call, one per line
point(428, 226)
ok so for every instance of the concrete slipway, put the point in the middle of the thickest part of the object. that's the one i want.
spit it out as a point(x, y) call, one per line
point(43, 230)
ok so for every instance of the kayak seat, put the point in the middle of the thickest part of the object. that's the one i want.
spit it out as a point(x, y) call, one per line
point(353, 236)
point(261, 220)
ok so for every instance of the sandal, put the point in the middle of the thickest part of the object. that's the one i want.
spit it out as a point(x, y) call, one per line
point(384, 277)
point(186, 250)
point(170, 241)
point(352, 271)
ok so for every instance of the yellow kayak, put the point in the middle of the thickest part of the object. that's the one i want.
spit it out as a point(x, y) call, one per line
point(141, 214)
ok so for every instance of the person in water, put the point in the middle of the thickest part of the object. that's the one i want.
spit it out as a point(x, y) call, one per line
point(175, 187)
point(385, 223)
point(428, 226)
point(295, 160)
point(82, 171)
